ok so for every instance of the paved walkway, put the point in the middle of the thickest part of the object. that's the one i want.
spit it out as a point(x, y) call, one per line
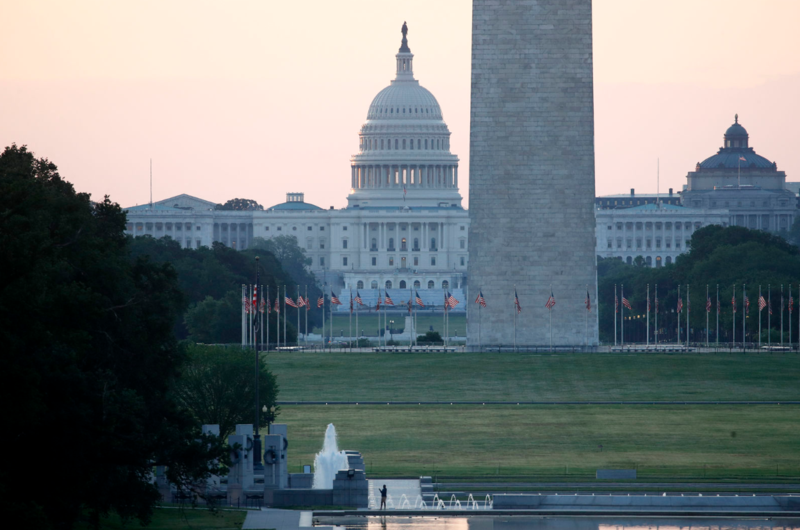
point(280, 520)
point(396, 490)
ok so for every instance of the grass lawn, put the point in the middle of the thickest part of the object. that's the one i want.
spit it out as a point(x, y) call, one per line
point(182, 518)
point(368, 323)
point(534, 377)
point(557, 443)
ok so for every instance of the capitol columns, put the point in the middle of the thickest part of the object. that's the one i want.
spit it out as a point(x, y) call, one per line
point(456, 177)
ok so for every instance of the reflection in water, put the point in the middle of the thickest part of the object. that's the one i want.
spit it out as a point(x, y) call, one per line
point(562, 523)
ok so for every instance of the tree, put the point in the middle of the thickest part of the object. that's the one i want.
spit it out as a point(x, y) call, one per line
point(220, 321)
point(218, 387)
point(430, 337)
point(239, 204)
point(89, 354)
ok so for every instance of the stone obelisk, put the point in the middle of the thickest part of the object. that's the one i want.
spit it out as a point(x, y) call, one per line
point(531, 178)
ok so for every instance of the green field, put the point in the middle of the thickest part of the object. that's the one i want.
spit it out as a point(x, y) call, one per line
point(368, 323)
point(665, 442)
point(532, 377)
point(755, 443)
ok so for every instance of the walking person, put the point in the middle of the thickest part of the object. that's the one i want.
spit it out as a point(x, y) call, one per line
point(383, 497)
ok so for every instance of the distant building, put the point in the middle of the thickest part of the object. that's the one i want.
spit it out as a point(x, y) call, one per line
point(658, 233)
point(404, 227)
point(747, 184)
point(735, 187)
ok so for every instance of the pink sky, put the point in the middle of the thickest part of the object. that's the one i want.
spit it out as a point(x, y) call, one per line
point(258, 98)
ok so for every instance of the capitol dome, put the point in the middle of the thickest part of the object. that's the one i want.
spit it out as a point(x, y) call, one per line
point(404, 156)
point(736, 152)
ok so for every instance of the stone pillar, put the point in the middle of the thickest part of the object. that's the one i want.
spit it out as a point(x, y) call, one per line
point(532, 170)
point(455, 179)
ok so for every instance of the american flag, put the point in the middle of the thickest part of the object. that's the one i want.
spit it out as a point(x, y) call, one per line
point(254, 305)
point(262, 305)
point(626, 303)
point(761, 303)
point(246, 303)
point(269, 306)
point(480, 300)
point(358, 298)
point(410, 304)
point(307, 304)
point(791, 304)
point(418, 299)
point(616, 301)
point(301, 301)
point(378, 303)
point(450, 300)
point(387, 299)
point(277, 305)
point(708, 304)
point(321, 301)
point(746, 303)
point(551, 301)
point(289, 302)
point(656, 304)
point(516, 302)
point(334, 300)
point(648, 302)
point(680, 305)
point(743, 159)
point(588, 302)
point(733, 303)
point(769, 306)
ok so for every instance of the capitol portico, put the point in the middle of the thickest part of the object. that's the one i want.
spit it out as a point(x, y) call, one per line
point(404, 226)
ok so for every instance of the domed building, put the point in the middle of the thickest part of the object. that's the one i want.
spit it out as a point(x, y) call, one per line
point(747, 184)
point(403, 228)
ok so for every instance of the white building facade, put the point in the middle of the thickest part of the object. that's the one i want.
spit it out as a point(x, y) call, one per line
point(404, 226)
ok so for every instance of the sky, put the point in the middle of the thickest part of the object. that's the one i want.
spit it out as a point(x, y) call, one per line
point(257, 98)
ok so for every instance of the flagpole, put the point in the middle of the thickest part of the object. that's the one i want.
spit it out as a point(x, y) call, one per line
point(269, 310)
point(707, 311)
point(298, 316)
point(769, 316)
point(744, 317)
point(285, 338)
point(587, 316)
point(656, 320)
point(781, 315)
point(261, 314)
point(330, 310)
point(616, 309)
point(688, 309)
point(733, 325)
point(358, 333)
point(622, 317)
point(250, 316)
point(515, 318)
point(244, 316)
point(679, 315)
point(718, 308)
point(350, 329)
point(324, 288)
point(480, 291)
point(550, 311)
point(648, 315)
point(759, 318)
point(308, 308)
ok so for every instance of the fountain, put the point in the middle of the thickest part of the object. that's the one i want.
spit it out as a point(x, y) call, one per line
point(329, 461)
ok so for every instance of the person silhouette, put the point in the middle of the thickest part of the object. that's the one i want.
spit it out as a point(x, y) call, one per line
point(383, 497)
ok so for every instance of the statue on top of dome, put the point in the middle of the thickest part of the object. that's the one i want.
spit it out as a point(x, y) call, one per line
point(404, 46)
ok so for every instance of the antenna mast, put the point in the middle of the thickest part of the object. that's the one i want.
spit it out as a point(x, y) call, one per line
point(658, 182)
point(151, 183)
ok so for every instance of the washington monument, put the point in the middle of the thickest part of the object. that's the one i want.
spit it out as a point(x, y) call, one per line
point(532, 225)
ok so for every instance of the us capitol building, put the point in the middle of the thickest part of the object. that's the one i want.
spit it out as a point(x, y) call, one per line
point(403, 227)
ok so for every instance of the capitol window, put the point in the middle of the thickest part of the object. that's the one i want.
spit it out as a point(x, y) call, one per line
point(433, 261)
point(610, 244)
point(344, 243)
point(419, 144)
point(411, 142)
point(462, 243)
point(402, 284)
point(462, 261)
point(391, 261)
point(416, 261)
point(280, 228)
point(309, 229)
point(430, 284)
point(322, 261)
point(445, 284)
point(416, 284)
point(426, 143)
point(321, 228)
point(388, 284)
point(266, 228)
point(374, 284)
point(374, 261)
point(344, 261)
point(404, 143)
point(360, 285)
point(396, 143)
